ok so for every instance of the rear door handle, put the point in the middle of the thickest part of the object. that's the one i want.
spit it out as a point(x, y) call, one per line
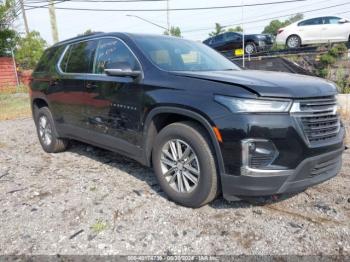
point(91, 85)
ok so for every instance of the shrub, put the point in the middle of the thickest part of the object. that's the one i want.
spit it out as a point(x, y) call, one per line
point(338, 50)
point(327, 59)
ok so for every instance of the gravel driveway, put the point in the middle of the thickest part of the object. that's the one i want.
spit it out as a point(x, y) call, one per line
point(91, 201)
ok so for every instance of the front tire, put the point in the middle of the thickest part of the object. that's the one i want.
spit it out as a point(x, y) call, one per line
point(46, 131)
point(185, 165)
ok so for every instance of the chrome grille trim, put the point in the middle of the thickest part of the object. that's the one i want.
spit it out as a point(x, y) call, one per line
point(317, 118)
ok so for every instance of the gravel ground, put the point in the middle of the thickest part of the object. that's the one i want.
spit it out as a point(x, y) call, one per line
point(91, 201)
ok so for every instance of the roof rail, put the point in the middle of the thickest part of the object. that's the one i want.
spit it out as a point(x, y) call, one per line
point(78, 37)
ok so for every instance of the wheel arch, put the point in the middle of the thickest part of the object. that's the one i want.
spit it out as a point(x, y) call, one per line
point(39, 102)
point(179, 114)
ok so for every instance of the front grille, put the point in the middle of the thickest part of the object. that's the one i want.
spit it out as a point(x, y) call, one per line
point(318, 118)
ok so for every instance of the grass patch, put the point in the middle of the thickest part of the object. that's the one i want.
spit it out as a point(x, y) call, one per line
point(99, 226)
point(14, 89)
point(14, 106)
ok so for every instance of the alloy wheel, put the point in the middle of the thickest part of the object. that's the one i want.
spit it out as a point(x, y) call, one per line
point(293, 42)
point(180, 166)
point(45, 130)
point(249, 49)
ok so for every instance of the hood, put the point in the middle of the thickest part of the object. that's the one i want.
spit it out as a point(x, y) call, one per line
point(269, 84)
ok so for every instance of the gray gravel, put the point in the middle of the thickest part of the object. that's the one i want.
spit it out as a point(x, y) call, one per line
point(91, 201)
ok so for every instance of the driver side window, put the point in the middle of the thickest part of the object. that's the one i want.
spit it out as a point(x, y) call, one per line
point(332, 20)
point(112, 53)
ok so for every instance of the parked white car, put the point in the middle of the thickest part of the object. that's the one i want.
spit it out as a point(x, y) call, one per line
point(317, 30)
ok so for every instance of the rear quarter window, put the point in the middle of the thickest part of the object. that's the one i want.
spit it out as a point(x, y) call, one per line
point(49, 59)
point(80, 57)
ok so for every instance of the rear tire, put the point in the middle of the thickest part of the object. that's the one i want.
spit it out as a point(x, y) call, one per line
point(46, 131)
point(188, 176)
point(293, 42)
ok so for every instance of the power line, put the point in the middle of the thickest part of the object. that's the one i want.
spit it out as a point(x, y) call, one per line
point(270, 18)
point(93, 1)
point(277, 12)
point(343, 12)
point(47, 5)
point(264, 15)
point(170, 9)
point(48, 2)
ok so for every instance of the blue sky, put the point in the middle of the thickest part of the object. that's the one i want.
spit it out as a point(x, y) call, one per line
point(194, 24)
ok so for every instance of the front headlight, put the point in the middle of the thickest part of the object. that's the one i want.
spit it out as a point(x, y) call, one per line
point(243, 105)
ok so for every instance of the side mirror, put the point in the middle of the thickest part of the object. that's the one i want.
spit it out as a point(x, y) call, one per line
point(343, 21)
point(121, 69)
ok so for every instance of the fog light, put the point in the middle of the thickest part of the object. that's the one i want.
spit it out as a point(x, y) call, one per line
point(258, 153)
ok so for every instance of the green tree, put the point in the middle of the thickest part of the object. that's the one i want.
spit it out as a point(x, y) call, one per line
point(218, 30)
point(29, 50)
point(295, 18)
point(87, 32)
point(8, 40)
point(7, 13)
point(8, 37)
point(174, 31)
point(235, 29)
point(274, 25)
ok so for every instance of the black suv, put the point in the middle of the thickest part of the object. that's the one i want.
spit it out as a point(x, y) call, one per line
point(203, 124)
point(228, 41)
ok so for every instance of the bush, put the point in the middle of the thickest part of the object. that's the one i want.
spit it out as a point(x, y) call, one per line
point(323, 72)
point(342, 81)
point(327, 59)
point(338, 50)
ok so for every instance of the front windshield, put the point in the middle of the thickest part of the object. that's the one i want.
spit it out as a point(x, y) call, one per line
point(172, 54)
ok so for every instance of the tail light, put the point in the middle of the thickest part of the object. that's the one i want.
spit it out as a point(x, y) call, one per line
point(279, 31)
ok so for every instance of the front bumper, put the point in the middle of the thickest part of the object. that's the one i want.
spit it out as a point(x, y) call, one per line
point(310, 171)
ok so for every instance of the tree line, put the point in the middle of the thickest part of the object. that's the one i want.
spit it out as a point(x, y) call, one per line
point(29, 48)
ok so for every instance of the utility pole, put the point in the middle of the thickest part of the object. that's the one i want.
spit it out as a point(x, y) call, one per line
point(53, 22)
point(243, 40)
point(168, 15)
point(24, 17)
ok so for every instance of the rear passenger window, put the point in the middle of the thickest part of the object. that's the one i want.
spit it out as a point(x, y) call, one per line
point(313, 21)
point(80, 57)
point(112, 53)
